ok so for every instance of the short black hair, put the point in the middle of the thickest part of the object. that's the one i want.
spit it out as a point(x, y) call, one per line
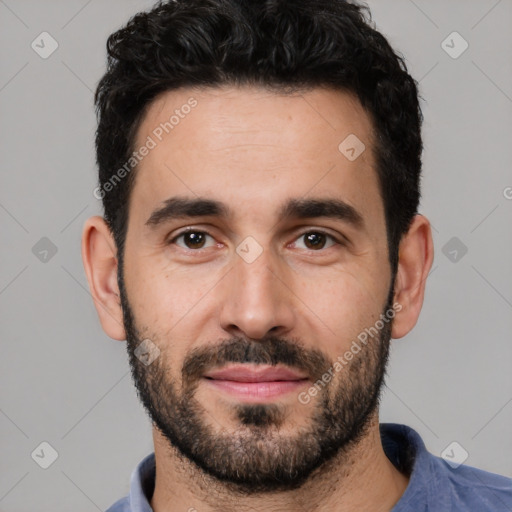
point(285, 45)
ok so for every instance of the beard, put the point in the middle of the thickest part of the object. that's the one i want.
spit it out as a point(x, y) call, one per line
point(257, 456)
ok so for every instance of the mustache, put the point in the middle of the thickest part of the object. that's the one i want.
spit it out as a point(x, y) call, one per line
point(269, 351)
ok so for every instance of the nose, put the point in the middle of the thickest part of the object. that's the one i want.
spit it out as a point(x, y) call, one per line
point(256, 299)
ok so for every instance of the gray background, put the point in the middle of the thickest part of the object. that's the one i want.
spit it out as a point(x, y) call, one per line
point(65, 382)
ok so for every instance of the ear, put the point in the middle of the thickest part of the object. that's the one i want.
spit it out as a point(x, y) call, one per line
point(99, 255)
point(416, 253)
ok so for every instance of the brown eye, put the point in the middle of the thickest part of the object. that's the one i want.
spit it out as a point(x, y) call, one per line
point(192, 239)
point(316, 240)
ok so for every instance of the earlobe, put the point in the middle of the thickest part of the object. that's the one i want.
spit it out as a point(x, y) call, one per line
point(99, 256)
point(415, 260)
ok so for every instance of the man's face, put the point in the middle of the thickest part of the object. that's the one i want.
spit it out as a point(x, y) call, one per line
point(249, 307)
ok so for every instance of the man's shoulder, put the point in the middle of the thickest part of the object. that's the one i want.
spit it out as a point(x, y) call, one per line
point(442, 484)
point(122, 505)
point(475, 489)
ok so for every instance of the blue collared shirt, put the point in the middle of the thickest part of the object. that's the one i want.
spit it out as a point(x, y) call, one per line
point(434, 485)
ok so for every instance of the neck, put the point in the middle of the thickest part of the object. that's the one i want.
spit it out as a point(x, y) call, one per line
point(361, 479)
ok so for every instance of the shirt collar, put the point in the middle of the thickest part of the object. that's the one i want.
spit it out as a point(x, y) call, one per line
point(142, 485)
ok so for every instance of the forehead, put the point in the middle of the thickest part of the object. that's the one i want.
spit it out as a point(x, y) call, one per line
point(237, 114)
point(251, 148)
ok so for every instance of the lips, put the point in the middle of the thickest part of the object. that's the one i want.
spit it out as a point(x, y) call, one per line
point(255, 383)
point(245, 373)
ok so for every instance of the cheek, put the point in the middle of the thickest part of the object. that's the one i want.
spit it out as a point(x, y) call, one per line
point(170, 304)
point(341, 307)
point(156, 288)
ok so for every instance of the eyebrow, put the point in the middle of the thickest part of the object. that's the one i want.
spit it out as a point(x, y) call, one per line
point(324, 208)
point(183, 207)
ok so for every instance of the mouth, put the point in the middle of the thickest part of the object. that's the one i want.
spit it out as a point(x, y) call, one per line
point(255, 383)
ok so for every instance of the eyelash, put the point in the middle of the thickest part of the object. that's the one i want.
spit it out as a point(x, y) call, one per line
point(336, 240)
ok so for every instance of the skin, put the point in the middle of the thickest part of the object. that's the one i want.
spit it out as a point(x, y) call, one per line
point(253, 149)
